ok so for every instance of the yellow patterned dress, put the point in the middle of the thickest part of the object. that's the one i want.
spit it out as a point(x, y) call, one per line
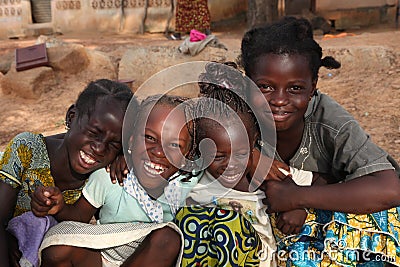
point(25, 165)
point(217, 237)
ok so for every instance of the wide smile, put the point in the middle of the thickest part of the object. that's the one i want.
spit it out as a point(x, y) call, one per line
point(281, 115)
point(86, 158)
point(154, 168)
point(230, 177)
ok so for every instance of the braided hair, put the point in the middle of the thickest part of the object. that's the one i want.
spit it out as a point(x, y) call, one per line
point(289, 36)
point(102, 89)
point(136, 114)
point(222, 88)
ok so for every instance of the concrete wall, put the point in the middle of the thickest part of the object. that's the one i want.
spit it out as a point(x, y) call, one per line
point(100, 15)
point(107, 15)
point(347, 14)
point(226, 9)
point(330, 5)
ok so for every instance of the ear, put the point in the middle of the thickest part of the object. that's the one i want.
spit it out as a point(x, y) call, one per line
point(130, 142)
point(71, 114)
point(314, 88)
point(256, 135)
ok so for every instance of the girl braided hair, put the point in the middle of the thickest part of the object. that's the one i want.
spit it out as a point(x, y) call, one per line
point(288, 36)
point(222, 88)
point(103, 89)
point(135, 114)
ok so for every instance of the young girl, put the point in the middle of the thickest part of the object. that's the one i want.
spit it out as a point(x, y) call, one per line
point(360, 223)
point(92, 141)
point(224, 189)
point(134, 221)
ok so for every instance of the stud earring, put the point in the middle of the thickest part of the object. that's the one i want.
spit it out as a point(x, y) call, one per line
point(129, 151)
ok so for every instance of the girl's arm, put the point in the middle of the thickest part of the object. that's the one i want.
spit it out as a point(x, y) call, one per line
point(8, 198)
point(49, 201)
point(367, 194)
point(118, 170)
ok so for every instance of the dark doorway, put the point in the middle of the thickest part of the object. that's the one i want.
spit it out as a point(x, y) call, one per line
point(41, 11)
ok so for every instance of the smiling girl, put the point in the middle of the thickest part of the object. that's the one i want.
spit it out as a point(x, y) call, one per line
point(134, 221)
point(354, 219)
point(91, 142)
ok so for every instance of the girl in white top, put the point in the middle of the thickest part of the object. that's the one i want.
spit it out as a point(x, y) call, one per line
point(226, 223)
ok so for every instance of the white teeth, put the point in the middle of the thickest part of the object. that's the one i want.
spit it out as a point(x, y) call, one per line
point(231, 177)
point(86, 158)
point(154, 168)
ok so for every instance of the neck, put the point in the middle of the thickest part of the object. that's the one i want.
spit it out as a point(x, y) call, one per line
point(64, 177)
point(244, 183)
point(288, 141)
point(155, 193)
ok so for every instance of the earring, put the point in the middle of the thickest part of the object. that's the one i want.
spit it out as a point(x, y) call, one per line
point(129, 151)
point(66, 125)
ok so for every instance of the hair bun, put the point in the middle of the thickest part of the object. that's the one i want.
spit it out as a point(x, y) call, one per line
point(219, 76)
point(330, 63)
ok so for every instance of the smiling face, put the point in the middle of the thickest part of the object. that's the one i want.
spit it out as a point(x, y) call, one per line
point(286, 83)
point(233, 157)
point(165, 135)
point(94, 141)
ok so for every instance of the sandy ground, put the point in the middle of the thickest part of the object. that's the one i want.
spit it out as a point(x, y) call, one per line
point(372, 96)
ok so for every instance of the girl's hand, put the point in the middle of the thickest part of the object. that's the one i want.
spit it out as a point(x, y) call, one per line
point(275, 173)
point(46, 201)
point(281, 195)
point(290, 222)
point(265, 168)
point(118, 170)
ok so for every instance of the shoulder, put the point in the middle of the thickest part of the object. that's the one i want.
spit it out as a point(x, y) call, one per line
point(27, 145)
point(101, 176)
point(28, 138)
point(325, 112)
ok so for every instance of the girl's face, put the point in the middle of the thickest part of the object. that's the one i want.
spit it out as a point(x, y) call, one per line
point(233, 157)
point(161, 137)
point(93, 142)
point(286, 83)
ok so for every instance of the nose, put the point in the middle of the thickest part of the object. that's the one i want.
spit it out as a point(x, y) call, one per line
point(98, 147)
point(279, 98)
point(233, 164)
point(157, 151)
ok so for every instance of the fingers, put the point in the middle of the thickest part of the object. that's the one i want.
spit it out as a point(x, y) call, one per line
point(281, 165)
point(42, 195)
point(118, 170)
point(122, 171)
point(297, 230)
point(291, 222)
point(43, 199)
point(284, 227)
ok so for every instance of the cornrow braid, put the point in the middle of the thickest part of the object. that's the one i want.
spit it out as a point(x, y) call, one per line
point(136, 114)
point(102, 89)
point(222, 88)
point(287, 36)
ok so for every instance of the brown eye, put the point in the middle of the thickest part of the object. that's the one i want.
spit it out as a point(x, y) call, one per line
point(265, 87)
point(116, 145)
point(150, 138)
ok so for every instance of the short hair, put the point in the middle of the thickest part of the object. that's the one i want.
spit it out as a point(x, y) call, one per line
point(289, 35)
point(102, 89)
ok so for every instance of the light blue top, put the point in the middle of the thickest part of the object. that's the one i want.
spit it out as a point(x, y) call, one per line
point(117, 206)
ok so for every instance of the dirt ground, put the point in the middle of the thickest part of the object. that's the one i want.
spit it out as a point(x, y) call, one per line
point(372, 96)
